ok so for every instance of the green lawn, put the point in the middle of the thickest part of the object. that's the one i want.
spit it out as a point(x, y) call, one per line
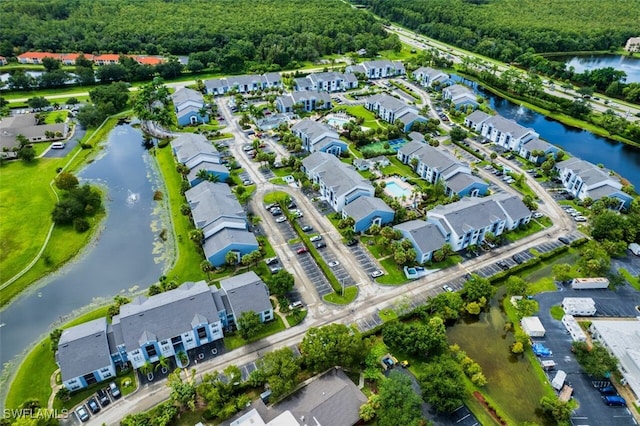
point(274, 197)
point(395, 274)
point(536, 225)
point(234, 341)
point(296, 317)
point(388, 315)
point(350, 293)
point(397, 168)
point(374, 249)
point(370, 120)
point(188, 258)
point(52, 116)
point(557, 312)
point(634, 281)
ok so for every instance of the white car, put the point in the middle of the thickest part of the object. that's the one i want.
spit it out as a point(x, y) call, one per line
point(315, 238)
point(377, 273)
point(580, 219)
point(281, 219)
point(333, 263)
point(447, 288)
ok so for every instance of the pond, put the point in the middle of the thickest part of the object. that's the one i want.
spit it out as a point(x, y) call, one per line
point(582, 63)
point(511, 380)
point(616, 156)
point(128, 252)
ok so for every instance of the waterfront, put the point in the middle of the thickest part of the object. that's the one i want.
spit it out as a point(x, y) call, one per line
point(126, 255)
point(616, 156)
point(630, 65)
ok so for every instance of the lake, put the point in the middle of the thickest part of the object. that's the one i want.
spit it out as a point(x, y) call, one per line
point(616, 156)
point(591, 62)
point(127, 253)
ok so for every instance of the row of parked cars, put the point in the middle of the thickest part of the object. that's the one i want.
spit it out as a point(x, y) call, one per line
point(97, 402)
point(575, 214)
point(610, 397)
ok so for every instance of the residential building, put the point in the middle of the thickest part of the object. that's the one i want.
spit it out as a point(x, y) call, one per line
point(245, 83)
point(362, 164)
point(434, 165)
point(378, 69)
point(461, 96)
point(339, 184)
point(197, 153)
point(466, 222)
point(26, 125)
point(167, 323)
point(317, 136)
point(70, 58)
point(426, 237)
point(222, 219)
point(242, 83)
point(271, 80)
point(391, 109)
point(507, 133)
point(368, 211)
point(328, 399)
point(36, 57)
point(633, 44)
point(3, 60)
point(308, 100)
point(83, 355)
point(189, 107)
point(216, 86)
point(327, 82)
point(474, 120)
point(622, 339)
point(106, 59)
point(429, 77)
point(586, 180)
point(247, 292)
point(534, 146)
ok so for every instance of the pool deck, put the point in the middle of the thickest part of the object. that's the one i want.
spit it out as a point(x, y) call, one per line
point(403, 185)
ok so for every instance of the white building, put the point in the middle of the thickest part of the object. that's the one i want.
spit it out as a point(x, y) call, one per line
point(378, 69)
point(622, 339)
point(532, 326)
point(573, 328)
point(580, 306)
point(506, 133)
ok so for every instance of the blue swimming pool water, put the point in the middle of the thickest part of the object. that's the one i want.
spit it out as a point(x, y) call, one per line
point(396, 190)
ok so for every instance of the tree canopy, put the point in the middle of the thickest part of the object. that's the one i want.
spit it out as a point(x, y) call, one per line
point(399, 404)
point(331, 345)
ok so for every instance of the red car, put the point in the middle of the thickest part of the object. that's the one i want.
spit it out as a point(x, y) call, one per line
point(302, 250)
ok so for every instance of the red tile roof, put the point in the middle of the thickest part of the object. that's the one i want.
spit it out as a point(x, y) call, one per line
point(148, 60)
point(38, 55)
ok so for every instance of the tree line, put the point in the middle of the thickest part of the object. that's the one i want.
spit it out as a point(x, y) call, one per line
point(504, 29)
point(228, 35)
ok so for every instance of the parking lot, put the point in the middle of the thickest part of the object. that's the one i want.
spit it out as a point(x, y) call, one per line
point(313, 272)
point(363, 258)
point(591, 410)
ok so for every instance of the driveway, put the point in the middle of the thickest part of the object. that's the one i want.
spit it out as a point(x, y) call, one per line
point(78, 134)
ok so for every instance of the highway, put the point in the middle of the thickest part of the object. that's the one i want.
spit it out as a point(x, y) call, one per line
point(372, 297)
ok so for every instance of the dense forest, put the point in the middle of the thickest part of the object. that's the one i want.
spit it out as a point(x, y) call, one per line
point(504, 29)
point(234, 33)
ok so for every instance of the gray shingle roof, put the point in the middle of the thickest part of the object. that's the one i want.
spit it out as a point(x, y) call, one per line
point(478, 116)
point(184, 94)
point(538, 144)
point(438, 160)
point(226, 237)
point(216, 83)
point(189, 145)
point(469, 213)
point(210, 201)
point(242, 80)
point(246, 292)
point(603, 191)
point(388, 102)
point(314, 130)
point(83, 349)
point(512, 205)
point(415, 136)
point(588, 172)
point(335, 174)
point(271, 77)
point(411, 147)
point(332, 399)
point(426, 236)
point(505, 125)
point(164, 315)
point(364, 206)
point(460, 181)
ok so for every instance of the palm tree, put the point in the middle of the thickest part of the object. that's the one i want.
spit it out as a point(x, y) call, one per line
point(163, 364)
point(207, 267)
point(202, 112)
point(182, 357)
point(202, 174)
point(196, 235)
point(147, 369)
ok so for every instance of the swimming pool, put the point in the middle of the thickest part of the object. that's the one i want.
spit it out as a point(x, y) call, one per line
point(337, 122)
point(396, 190)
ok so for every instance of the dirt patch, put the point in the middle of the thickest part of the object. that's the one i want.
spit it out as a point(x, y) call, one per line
point(478, 396)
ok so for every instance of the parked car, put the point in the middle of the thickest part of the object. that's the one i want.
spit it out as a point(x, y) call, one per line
point(517, 258)
point(608, 390)
point(115, 391)
point(82, 413)
point(537, 215)
point(281, 219)
point(307, 228)
point(502, 264)
point(352, 242)
point(404, 363)
point(614, 400)
point(377, 273)
point(333, 263)
point(315, 238)
point(271, 260)
point(296, 305)
point(57, 145)
point(302, 250)
point(447, 288)
point(93, 405)
point(580, 219)
point(103, 398)
point(321, 244)
point(564, 240)
point(275, 269)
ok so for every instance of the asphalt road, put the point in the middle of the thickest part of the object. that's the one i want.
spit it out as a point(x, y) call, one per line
point(371, 298)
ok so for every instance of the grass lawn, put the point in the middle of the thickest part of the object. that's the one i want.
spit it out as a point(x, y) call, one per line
point(370, 120)
point(397, 168)
point(282, 171)
point(296, 317)
point(557, 312)
point(395, 274)
point(277, 181)
point(20, 240)
point(234, 341)
point(634, 281)
point(534, 226)
point(32, 379)
point(350, 293)
point(274, 197)
point(52, 116)
point(388, 315)
point(188, 258)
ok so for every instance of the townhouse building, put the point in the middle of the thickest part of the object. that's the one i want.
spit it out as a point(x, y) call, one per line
point(327, 82)
point(391, 109)
point(318, 136)
point(378, 69)
point(189, 106)
point(430, 77)
point(307, 100)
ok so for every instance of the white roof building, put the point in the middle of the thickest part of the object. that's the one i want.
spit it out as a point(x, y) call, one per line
point(622, 339)
point(580, 306)
point(574, 329)
point(532, 326)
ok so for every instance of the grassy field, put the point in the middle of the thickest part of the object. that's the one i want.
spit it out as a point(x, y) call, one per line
point(188, 257)
point(395, 274)
point(370, 120)
point(54, 115)
point(557, 312)
point(232, 342)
